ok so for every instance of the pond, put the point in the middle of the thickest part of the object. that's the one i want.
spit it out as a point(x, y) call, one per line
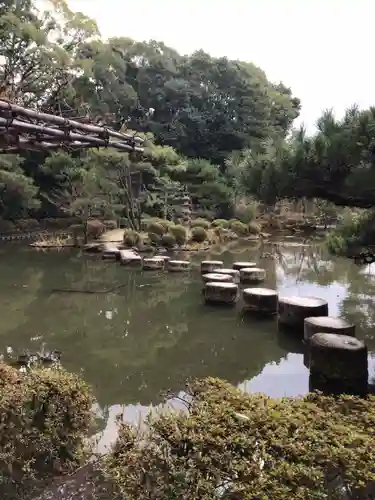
point(153, 332)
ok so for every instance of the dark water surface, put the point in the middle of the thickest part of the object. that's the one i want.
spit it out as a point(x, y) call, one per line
point(154, 332)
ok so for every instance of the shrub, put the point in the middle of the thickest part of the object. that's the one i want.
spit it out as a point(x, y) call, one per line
point(235, 445)
point(220, 223)
point(198, 234)
point(167, 224)
point(110, 224)
point(131, 238)
point(6, 226)
point(180, 233)
point(45, 419)
point(77, 229)
point(27, 224)
point(239, 228)
point(156, 228)
point(95, 228)
point(155, 239)
point(168, 240)
point(254, 228)
point(200, 223)
point(245, 212)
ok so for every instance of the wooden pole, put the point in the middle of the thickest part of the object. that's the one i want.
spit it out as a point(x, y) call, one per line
point(6, 107)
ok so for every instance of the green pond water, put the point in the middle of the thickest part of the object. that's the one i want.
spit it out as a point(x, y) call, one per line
point(154, 332)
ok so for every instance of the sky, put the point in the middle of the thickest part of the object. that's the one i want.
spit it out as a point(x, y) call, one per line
point(319, 48)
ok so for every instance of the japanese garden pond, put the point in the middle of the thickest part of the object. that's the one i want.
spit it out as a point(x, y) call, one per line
point(154, 332)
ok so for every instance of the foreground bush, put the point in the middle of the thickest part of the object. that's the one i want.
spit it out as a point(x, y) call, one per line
point(236, 446)
point(45, 416)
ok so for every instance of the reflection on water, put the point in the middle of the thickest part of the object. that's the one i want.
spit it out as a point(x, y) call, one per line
point(154, 332)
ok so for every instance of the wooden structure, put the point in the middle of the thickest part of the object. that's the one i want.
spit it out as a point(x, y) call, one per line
point(23, 129)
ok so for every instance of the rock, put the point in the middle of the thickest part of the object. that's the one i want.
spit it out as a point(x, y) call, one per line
point(327, 324)
point(217, 277)
point(292, 311)
point(178, 265)
point(129, 257)
point(221, 293)
point(111, 253)
point(260, 300)
point(252, 275)
point(242, 265)
point(153, 263)
point(92, 248)
point(207, 266)
point(232, 272)
point(338, 360)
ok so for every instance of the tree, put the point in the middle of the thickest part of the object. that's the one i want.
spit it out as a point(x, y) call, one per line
point(337, 164)
point(18, 193)
point(39, 51)
point(204, 107)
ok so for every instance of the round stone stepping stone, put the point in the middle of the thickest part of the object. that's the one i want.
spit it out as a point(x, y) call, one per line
point(207, 266)
point(327, 324)
point(178, 265)
point(242, 265)
point(292, 311)
point(153, 263)
point(127, 257)
point(260, 300)
point(339, 358)
point(111, 253)
point(217, 277)
point(232, 272)
point(252, 275)
point(221, 293)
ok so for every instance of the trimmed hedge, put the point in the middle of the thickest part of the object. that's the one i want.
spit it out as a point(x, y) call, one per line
point(198, 234)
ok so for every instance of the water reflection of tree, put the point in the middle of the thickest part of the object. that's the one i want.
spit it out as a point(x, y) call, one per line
point(146, 338)
point(316, 267)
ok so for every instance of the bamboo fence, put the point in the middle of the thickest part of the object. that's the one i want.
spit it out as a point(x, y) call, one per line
point(23, 129)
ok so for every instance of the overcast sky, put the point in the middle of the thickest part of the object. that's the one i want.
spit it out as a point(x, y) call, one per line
point(322, 49)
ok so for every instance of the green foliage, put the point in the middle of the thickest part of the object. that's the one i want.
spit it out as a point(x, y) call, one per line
point(110, 224)
point(354, 231)
point(246, 213)
point(239, 228)
point(168, 240)
point(131, 238)
point(254, 228)
point(46, 417)
point(95, 228)
point(154, 238)
point(198, 234)
point(220, 223)
point(204, 109)
point(180, 233)
point(235, 445)
point(157, 228)
point(17, 191)
point(200, 223)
